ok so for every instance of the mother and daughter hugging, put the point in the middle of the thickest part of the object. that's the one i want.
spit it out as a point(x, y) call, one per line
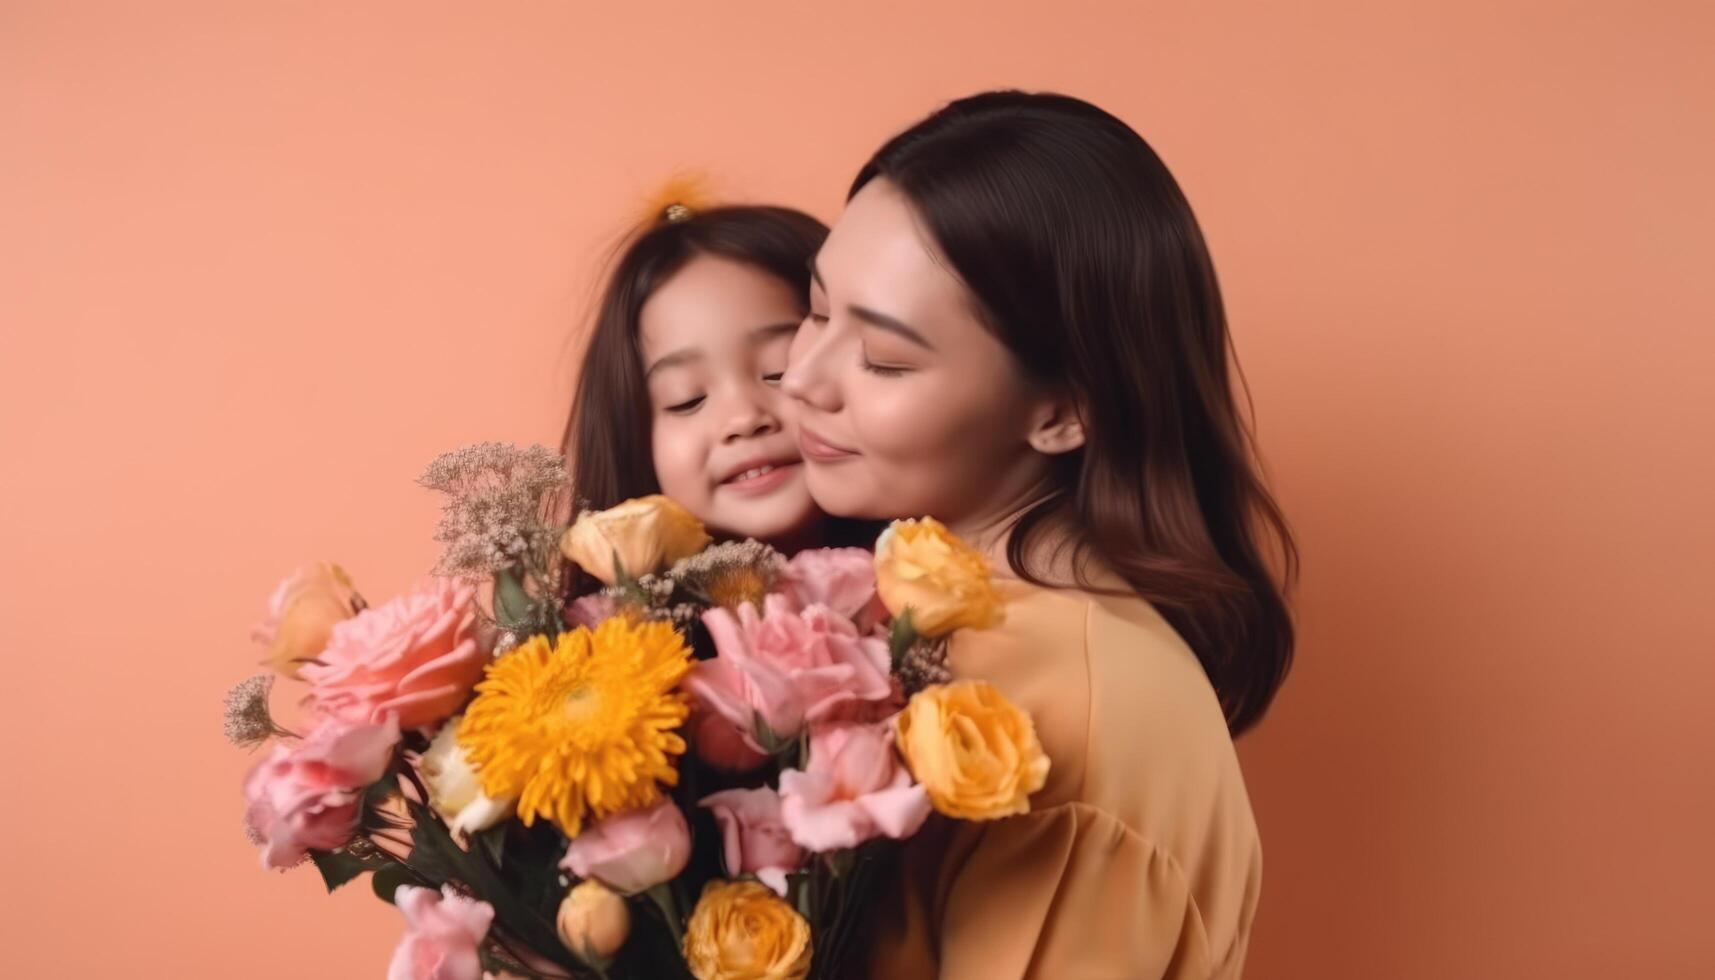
point(1015, 327)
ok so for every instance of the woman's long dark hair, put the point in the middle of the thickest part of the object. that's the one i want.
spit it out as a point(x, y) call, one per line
point(1086, 261)
point(607, 432)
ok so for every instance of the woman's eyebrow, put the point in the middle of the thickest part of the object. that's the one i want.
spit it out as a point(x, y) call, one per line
point(876, 318)
point(891, 325)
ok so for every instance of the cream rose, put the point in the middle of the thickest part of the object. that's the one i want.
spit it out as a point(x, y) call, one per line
point(642, 536)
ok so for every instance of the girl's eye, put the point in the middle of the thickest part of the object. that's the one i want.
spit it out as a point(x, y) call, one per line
point(819, 319)
point(686, 407)
point(773, 378)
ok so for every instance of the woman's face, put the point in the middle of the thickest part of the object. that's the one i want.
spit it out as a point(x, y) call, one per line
point(714, 339)
point(907, 404)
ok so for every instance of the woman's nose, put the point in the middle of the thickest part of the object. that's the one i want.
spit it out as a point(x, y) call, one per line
point(808, 378)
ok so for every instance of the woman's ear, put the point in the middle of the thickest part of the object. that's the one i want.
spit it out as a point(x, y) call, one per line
point(1057, 428)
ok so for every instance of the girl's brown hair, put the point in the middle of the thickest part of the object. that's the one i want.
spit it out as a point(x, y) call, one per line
point(1086, 261)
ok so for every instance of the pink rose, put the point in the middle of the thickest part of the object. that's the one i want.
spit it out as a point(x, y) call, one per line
point(789, 667)
point(590, 610)
point(855, 789)
point(443, 931)
point(634, 850)
point(718, 743)
point(416, 658)
point(756, 840)
point(843, 579)
point(307, 795)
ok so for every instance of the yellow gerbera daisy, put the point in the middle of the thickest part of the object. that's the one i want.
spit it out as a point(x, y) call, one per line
point(582, 727)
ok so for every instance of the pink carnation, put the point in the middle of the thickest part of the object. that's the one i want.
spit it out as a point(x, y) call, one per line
point(443, 931)
point(855, 788)
point(843, 579)
point(790, 667)
point(307, 795)
point(756, 840)
point(416, 658)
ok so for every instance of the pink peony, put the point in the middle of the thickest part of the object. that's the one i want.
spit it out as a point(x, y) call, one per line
point(843, 579)
point(634, 850)
point(790, 667)
point(443, 931)
point(756, 840)
point(416, 658)
point(718, 743)
point(856, 788)
point(307, 795)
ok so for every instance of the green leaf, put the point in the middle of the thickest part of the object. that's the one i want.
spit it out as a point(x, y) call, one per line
point(436, 854)
point(493, 843)
point(512, 605)
point(337, 867)
point(386, 881)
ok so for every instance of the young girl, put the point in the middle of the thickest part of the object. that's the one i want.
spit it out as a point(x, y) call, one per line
point(679, 388)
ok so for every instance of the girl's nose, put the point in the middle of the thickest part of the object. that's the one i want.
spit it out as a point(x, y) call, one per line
point(748, 422)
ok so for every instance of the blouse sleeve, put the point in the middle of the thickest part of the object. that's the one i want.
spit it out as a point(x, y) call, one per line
point(1069, 891)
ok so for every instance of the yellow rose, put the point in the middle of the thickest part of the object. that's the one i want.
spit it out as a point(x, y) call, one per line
point(302, 614)
point(975, 752)
point(741, 930)
point(593, 921)
point(646, 535)
point(921, 565)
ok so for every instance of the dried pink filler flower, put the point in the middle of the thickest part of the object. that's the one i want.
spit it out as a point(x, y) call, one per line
point(499, 511)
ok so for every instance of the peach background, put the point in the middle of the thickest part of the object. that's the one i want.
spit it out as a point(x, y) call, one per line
point(260, 262)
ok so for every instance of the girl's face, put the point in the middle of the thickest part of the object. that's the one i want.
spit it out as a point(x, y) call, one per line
point(714, 340)
point(907, 404)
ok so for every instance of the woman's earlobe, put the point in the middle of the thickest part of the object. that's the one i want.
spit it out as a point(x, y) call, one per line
point(1059, 439)
point(1061, 431)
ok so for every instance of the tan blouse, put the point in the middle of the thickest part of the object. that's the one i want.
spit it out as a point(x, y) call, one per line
point(1140, 856)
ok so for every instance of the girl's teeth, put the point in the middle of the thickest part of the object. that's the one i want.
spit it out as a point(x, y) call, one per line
point(748, 474)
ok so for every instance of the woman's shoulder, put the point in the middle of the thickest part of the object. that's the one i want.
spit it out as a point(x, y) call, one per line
point(1124, 710)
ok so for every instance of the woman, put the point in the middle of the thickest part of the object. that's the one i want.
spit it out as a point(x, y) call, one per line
point(1015, 327)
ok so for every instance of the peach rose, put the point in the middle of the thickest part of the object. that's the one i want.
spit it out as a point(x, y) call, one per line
point(416, 657)
point(443, 933)
point(302, 613)
point(975, 752)
point(643, 536)
point(593, 922)
point(308, 795)
point(922, 566)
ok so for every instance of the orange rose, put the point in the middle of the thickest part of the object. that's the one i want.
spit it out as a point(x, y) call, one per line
point(643, 536)
point(741, 930)
point(923, 567)
point(975, 752)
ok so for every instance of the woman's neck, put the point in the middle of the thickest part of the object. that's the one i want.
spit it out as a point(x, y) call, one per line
point(1048, 554)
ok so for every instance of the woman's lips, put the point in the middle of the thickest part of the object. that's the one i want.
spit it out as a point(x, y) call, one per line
point(820, 450)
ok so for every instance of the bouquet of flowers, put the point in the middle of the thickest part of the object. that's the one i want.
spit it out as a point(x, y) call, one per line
point(609, 747)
